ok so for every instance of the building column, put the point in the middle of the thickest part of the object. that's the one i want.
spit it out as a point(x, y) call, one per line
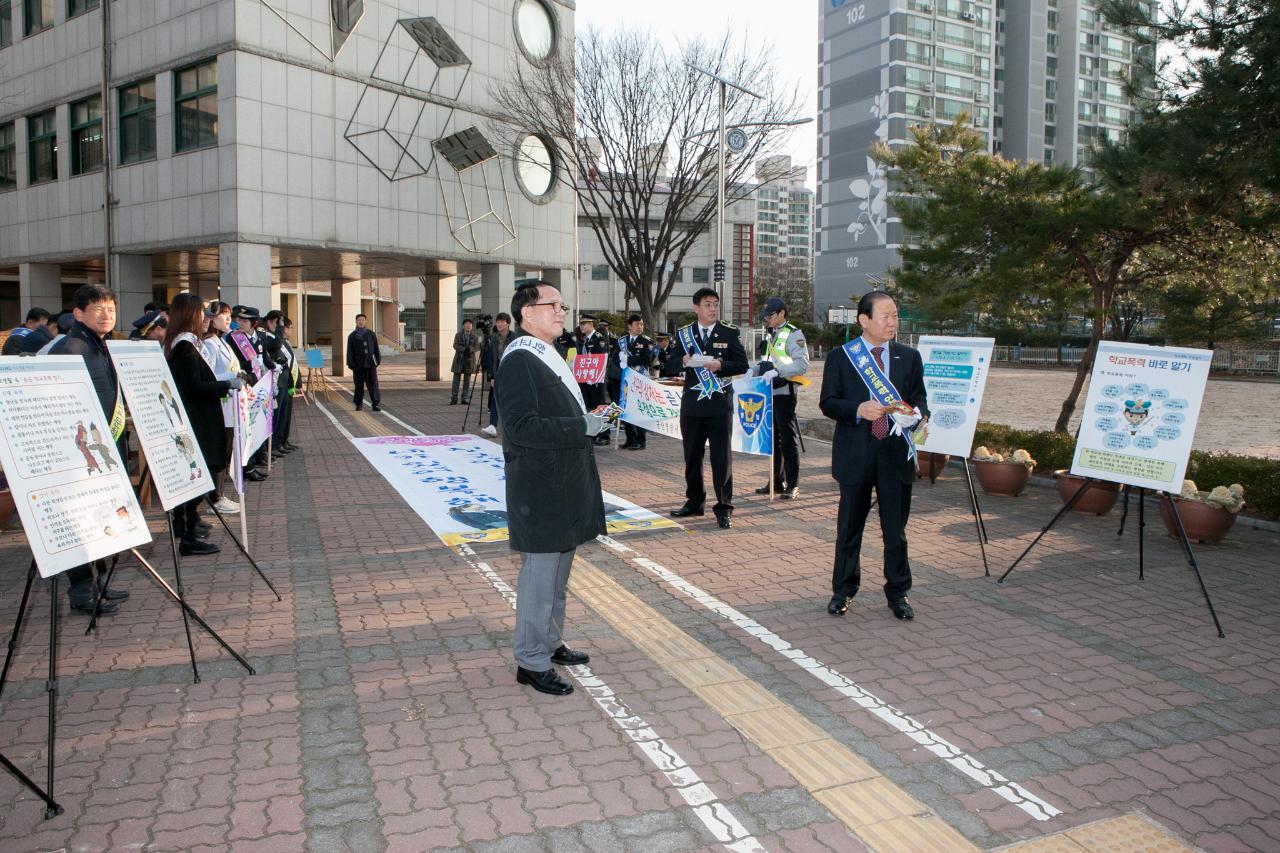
point(388, 320)
point(497, 286)
point(131, 279)
point(39, 285)
point(441, 303)
point(244, 275)
point(344, 305)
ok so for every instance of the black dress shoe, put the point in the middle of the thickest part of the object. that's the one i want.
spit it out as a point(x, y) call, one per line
point(361, 408)
point(790, 494)
point(377, 408)
point(686, 511)
point(104, 608)
point(544, 682)
point(724, 519)
point(254, 476)
point(764, 490)
point(601, 440)
point(115, 594)
point(838, 604)
point(566, 656)
point(290, 446)
point(194, 547)
point(901, 609)
point(633, 447)
point(626, 446)
point(453, 402)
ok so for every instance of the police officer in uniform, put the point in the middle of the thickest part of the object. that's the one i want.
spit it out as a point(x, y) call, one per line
point(635, 351)
point(706, 408)
point(784, 357)
point(590, 342)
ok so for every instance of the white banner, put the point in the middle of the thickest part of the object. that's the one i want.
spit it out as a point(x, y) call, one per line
point(649, 404)
point(955, 377)
point(457, 485)
point(70, 485)
point(1140, 414)
point(753, 416)
point(177, 465)
point(255, 415)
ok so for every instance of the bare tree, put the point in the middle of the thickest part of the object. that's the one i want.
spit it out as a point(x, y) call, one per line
point(632, 127)
point(791, 279)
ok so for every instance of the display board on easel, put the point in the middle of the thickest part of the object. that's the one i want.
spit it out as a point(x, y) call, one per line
point(69, 483)
point(955, 378)
point(178, 468)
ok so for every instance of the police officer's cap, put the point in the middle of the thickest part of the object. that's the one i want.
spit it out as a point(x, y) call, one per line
point(147, 321)
point(245, 312)
point(773, 305)
point(587, 318)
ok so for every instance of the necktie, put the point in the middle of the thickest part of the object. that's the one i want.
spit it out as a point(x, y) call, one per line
point(880, 429)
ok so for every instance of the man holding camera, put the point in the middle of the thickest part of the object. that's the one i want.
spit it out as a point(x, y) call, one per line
point(466, 360)
point(784, 358)
point(495, 345)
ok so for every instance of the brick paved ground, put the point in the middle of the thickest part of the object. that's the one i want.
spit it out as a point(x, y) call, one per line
point(384, 713)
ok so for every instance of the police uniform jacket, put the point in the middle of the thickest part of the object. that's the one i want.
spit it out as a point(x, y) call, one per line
point(722, 343)
point(639, 355)
point(797, 351)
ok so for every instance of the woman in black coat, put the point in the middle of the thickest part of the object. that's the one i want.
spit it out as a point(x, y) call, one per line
point(201, 395)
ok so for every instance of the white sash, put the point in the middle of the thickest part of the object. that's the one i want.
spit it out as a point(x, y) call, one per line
point(547, 354)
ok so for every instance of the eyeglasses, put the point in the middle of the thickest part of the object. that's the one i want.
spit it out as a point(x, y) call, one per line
point(559, 307)
point(100, 309)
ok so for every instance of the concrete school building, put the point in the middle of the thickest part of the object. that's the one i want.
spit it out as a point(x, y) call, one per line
point(292, 154)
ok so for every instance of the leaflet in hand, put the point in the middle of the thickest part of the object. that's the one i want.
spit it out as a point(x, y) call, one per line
point(608, 411)
point(700, 360)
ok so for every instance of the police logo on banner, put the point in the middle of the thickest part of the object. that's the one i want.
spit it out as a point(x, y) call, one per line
point(753, 416)
point(751, 411)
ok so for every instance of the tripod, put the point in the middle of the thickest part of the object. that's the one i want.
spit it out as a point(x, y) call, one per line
point(476, 380)
point(1142, 524)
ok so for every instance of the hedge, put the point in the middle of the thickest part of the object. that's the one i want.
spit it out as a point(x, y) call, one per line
point(1259, 476)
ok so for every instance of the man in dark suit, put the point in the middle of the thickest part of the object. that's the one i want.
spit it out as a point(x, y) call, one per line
point(590, 342)
point(635, 351)
point(706, 406)
point(866, 453)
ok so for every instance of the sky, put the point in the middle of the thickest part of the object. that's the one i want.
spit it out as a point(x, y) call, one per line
point(789, 26)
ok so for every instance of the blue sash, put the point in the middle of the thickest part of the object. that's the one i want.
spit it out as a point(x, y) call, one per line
point(707, 382)
point(878, 384)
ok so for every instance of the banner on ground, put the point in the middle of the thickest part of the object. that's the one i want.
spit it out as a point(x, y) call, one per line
point(1140, 414)
point(457, 485)
point(656, 407)
point(69, 484)
point(955, 378)
point(589, 368)
point(253, 425)
point(178, 467)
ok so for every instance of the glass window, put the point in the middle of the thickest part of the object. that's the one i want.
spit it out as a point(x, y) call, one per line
point(957, 60)
point(919, 27)
point(949, 109)
point(535, 166)
point(917, 105)
point(1113, 46)
point(1050, 135)
point(1051, 112)
point(1112, 92)
point(1051, 66)
point(916, 78)
point(6, 23)
point(138, 121)
point(77, 7)
point(982, 66)
point(914, 51)
point(1051, 90)
point(700, 275)
point(955, 34)
point(42, 148)
point(599, 272)
point(196, 106)
point(1113, 115)
point(86, 135)
point(952, 84)
point(1048, 156)
point(1112, 69)
point(535, 29)
point(37, 15)
point(8, 157)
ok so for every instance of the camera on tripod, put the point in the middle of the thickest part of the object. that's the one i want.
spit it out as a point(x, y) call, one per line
point(484, 324)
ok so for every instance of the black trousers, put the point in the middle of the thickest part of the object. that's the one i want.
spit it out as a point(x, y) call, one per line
point(592, 395)
point(786, 449)
point(883, 475)
point(697, 431)
point(367, 377)
point(283, 418)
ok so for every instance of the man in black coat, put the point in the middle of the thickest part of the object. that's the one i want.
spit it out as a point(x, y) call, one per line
point(276, 346)
point(866, 454)
point(37, 318)
point(95, 313)
point(554, 502)
point(363, 358)
point(635, 351)
point(706, 407)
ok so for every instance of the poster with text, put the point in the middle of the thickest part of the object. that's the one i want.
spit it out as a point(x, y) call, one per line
point(589, 369)
point(68, 481)
point(254, 406)
point(177, 466)
point(457, 485)
point(955, 377)
point(1140, 414)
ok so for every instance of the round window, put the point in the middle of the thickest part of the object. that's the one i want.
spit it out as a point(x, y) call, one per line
point(535, 29)
point(535, 166)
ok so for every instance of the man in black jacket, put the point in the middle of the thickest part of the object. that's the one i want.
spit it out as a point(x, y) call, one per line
point(708, 352)
point(95, 315)
point(554, 502)
point(635, 351)
point(37, 318)
point(275, 345)
point(867, 452)
point(495, 345)
point(590, 342)
point(363, 358)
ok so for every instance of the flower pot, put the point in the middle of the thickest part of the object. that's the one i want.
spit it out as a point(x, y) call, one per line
point(1002, 478)
point(930, 465)
point(1098, 499)
point(1203, 523)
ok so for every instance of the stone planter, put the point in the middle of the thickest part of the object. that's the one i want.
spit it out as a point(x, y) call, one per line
point(931, 464)
point(1098, 499)
point(7, 507)
point(1002, 478)
point(1203, 523)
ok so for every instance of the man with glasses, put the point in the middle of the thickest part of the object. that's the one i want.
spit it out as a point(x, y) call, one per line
point(95, 317)
point(554, 502)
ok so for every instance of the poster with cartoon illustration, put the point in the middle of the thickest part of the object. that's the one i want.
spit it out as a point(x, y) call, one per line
point(177, 466)
point(955, 378)
point(68, 481)
point(254, 425)
point(1140, 414)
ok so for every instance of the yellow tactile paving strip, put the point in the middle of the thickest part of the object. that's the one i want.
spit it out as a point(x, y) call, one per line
point(1125, 834)
point(883, 815)
point(369, 423)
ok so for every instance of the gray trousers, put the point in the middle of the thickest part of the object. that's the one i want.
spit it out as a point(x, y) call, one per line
point(540, 607)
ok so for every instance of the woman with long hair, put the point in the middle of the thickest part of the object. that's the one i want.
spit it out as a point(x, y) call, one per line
point(201, 394)
point(222, 360)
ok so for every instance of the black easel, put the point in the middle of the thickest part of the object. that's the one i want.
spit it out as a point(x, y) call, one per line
point(52, 809)
point(978, 521)
point(1142, 493)
point(240, 545)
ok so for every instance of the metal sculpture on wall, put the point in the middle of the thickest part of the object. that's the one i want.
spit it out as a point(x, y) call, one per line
point(403, 135)
point(324, 24)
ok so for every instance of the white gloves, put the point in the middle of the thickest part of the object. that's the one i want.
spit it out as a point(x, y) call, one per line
point(236, 383)
point(770, 375)
point(903, 422)
point(594, 424)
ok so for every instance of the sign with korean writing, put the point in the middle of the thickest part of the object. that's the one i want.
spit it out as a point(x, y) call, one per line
point(178, 468)
point(253, 425)
point(68, 481)
point(649, 404)
point(588, 368)
point(955, 377)
point(1140, 414)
